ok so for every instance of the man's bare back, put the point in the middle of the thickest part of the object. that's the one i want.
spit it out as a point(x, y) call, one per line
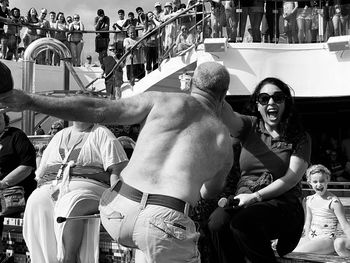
point(183, 152)
point(182, 144)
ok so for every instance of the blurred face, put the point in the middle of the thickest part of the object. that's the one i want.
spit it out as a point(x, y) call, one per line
point(76, 18)
point(111, 51)
point(177, 3)
point(61, 17)
point(5, 3)
point(33, 12)
point(319, 182)
point(69, 19)
point(150, 16)
point(183, 30)
point(121, 16)
point(52, 16)
point(271, 104)
point(16, 13)
point(132, 33)
point(43, 14)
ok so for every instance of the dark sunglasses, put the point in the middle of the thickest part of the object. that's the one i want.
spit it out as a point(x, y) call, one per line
point(278, 97)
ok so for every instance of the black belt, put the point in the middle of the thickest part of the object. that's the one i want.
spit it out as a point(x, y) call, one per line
point(151, 199)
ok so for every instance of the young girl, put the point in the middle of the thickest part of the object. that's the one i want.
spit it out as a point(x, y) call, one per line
point(323, 212)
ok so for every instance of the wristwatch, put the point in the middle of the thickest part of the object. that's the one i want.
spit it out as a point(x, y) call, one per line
point(4, 184)
point(258, 196)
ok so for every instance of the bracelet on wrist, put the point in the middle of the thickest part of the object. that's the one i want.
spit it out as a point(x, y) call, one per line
point(258, 196)
point(4, 184)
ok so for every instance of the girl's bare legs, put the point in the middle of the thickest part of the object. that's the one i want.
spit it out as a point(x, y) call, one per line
point(342, 247)
point(322, 246)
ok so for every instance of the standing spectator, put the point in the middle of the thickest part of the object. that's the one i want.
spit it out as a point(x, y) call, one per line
point(273, 18)
point(340, 17)
point(113, 76)
point(60, 34)
point(218, 18)
point(290, 21)
point(52, 21)
point(169, 30)
point(184, 40)
point(256, 12)
point(151, 44)
point(158, 10)
point(69, 20)
point(130, 21)
point(102, 39)
point(135, 67)
point(17, 158)
point(304, 21)
point(41, 32)
point(141, 16)
point(326, 13)
point(4, 13)
point(31, 20)
point(76, 40)
point(13, 34)
point(120, 35)
point(231, 20)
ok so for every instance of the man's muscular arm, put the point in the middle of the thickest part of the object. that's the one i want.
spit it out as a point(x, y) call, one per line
point(82, 108)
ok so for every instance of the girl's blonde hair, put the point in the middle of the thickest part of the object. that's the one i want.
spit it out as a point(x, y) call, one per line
point(317, 168)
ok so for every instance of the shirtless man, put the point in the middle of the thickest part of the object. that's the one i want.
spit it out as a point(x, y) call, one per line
point(183, 152)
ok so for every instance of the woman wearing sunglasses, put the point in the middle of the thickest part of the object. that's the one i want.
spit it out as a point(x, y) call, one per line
point(274, 156)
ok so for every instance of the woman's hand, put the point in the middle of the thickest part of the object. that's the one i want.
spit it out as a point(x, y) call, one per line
point(246, 199)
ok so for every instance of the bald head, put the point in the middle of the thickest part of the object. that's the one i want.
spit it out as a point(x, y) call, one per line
point(213, 78)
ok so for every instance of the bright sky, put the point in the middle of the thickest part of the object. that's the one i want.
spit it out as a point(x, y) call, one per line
point(87, 10)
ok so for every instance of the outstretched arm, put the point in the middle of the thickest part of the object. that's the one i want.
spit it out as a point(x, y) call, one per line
point(231, 119)
point(82, 108)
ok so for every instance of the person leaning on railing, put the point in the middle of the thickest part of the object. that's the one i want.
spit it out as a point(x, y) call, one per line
point(102, 23)
point(31, 20)
point(135, 67)
point(75, 40)
point(41, 32)
point(61, 28)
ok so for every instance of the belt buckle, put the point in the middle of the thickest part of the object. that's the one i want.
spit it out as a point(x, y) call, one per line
point(187, 208)
point(143, 201)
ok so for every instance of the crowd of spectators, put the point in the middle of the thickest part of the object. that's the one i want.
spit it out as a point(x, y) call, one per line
point(269, 21)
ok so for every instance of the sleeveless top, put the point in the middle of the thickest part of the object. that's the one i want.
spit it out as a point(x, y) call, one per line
point(324, 222)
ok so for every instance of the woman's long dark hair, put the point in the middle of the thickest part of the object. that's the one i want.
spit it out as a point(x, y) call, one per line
point(290, 125)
